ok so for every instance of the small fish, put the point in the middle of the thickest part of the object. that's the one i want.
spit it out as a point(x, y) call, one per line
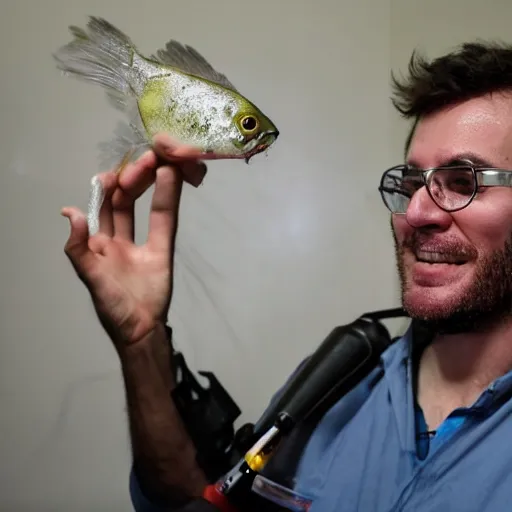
point(174, 91)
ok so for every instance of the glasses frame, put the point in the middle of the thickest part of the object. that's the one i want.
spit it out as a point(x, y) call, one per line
point(482, 177)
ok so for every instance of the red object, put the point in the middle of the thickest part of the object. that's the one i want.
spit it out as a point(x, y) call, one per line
point(213, 495)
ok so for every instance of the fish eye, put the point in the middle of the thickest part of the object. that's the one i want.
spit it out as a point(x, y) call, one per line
point(249, 123)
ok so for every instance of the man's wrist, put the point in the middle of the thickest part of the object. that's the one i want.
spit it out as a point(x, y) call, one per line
point(154, 350)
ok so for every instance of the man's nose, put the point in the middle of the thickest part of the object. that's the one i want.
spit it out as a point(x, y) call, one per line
point(423, 212)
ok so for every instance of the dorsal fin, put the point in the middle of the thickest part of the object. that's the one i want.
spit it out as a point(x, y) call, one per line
point(189, 60)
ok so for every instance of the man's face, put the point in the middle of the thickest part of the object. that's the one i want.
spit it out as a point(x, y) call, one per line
point(459, 296)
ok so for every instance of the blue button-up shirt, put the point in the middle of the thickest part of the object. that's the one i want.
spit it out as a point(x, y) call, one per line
point(364, 455)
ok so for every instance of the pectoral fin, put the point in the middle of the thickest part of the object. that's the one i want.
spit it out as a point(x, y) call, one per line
point(96, 198)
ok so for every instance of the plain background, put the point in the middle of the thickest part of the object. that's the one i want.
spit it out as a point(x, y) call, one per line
point(271, 256)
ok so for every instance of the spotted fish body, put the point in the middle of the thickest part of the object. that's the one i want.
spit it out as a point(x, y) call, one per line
point(174, 91)
point(202, 113)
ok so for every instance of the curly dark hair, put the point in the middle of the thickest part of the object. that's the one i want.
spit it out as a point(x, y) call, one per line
point(470, 70)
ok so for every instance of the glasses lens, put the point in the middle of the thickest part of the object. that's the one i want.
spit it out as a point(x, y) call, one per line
point(452, 188)
point(398, 186)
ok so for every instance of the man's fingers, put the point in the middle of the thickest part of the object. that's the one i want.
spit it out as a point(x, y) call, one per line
point(188, 157)
point(133, 181)
point(77, 245)
point(163, 217)
point(172, 150)
point(137, 176)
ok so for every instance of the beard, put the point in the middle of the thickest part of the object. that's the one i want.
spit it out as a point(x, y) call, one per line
point(486, 301)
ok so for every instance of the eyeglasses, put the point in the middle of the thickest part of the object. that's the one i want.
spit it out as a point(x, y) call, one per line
point(452, 188)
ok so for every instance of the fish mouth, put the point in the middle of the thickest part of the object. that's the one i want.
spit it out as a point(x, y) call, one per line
point(262, 142)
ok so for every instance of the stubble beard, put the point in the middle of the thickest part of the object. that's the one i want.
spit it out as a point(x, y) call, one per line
point(486, 301)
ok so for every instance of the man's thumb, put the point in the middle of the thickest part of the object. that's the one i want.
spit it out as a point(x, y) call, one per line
point(77, 246)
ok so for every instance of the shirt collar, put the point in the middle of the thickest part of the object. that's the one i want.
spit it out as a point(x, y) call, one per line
point(397, 363)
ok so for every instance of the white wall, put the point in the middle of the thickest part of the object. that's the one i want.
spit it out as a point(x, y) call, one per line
point(437, 26)
point(272, 255)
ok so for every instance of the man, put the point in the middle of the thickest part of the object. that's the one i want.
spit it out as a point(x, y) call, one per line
point(429, 429)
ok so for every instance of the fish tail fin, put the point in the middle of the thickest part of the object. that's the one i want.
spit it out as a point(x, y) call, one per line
point(104, 55)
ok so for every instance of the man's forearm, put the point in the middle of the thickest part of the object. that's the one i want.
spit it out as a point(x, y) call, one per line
point(164, 455)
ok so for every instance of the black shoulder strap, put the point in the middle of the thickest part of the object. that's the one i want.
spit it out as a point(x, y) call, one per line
point(283, 466)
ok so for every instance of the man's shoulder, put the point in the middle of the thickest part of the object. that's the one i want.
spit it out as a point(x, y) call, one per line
point(374, 386)
point(348, 405)
point(389, 364)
